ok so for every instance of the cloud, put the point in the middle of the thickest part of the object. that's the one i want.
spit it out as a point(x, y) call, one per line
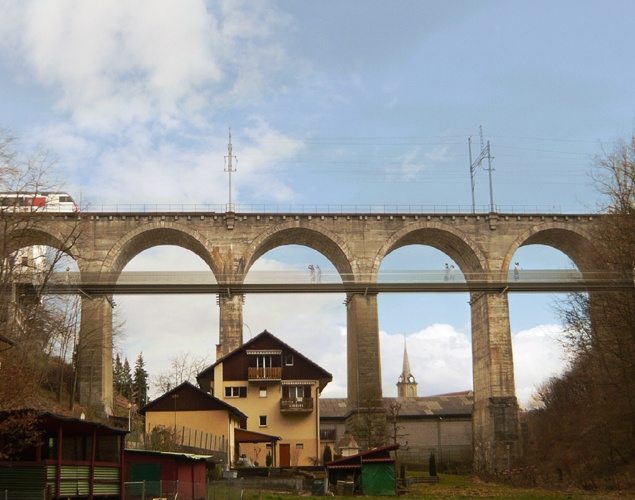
point(440, 359)
point(154, 164)
point(537, 357)
point(118, 62)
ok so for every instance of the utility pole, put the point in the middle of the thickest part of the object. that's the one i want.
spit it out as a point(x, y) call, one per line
point(230, 169)
point(485, 153)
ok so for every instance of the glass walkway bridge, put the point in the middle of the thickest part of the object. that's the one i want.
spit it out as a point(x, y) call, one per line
point(201, 282)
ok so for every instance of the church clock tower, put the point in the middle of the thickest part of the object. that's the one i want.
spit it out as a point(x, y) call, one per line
point(406, 385)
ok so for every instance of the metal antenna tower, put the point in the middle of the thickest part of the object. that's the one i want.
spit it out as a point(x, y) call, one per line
point(230, 169)
point(485, 153)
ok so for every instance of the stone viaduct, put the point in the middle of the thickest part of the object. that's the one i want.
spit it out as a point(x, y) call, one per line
point(355, 244)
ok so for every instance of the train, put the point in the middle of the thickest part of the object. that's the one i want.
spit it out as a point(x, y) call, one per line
point(38, 202)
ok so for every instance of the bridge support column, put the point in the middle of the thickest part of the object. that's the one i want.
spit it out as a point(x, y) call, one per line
point(364, 361)
point(231, 322)
point(94, 355)
point(496, 428)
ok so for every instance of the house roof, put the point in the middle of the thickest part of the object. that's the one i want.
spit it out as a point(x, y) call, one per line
point(52, 422)
point(245, 436)
point(443, 405)
point(323, 375)
point(187, 397)
point(381, 454)
point(178, 455)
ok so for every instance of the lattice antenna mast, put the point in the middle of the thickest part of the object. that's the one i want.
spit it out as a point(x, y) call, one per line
point(229, 169)
point(485, 154)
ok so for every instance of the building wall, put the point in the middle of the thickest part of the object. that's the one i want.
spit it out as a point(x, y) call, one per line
point(295, 428)
point(450, 439)
point(216, 422)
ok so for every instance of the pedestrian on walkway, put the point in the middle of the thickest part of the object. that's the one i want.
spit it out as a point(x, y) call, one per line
point(447, 272)
point(516, 272)
point(312, 273)
point(318, 274)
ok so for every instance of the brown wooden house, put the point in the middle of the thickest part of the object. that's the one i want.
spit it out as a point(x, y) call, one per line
point(74, 458)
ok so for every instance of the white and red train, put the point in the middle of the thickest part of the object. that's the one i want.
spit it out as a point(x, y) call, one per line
point(36, 202)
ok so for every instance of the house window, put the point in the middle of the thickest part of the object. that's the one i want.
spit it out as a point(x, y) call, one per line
point(263, 420)
point(299, 446)
point(235, 392)
point(263, 361)
point(263, 392)
point(288, 360)
point(296, 392)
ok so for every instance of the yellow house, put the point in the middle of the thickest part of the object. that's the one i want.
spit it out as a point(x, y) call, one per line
point(195, 419)
point(278, 388)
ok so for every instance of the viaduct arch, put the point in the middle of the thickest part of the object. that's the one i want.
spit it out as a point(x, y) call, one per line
point(356, 245)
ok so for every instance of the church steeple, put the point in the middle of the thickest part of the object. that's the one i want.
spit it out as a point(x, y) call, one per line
point(406, 385)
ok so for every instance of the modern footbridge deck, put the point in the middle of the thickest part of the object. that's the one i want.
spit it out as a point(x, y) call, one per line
point(143, 283)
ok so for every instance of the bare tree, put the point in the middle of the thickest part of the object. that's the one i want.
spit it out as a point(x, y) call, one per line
point(369, 425)
point(29, 258)
point(584, 424)
point(184, 367)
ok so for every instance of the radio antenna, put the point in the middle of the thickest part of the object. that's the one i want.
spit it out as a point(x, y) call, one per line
point(229, 169)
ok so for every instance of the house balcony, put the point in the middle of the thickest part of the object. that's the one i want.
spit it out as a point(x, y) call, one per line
point(328, 435)
point(302, 405)
point(270, 373)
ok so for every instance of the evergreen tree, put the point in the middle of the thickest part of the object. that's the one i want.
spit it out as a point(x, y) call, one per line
point(328, 454)
point(126, 380)
point(432, 465)
point(117, 375)
point(140, 382)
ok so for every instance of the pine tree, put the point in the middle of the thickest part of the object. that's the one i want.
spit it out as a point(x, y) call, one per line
point(328, 454)
point(140, 382)
point(126, 380)
point(432, 465)
point(117, 375)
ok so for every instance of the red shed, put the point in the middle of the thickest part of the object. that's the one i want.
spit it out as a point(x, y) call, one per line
point(164, 474)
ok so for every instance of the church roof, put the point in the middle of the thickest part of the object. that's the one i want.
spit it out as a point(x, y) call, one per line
point(406, 363)
point(443, 405)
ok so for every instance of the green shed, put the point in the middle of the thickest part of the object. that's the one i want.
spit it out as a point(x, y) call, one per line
point(371, 473)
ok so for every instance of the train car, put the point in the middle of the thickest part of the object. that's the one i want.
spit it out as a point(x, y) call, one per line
point(38, 202)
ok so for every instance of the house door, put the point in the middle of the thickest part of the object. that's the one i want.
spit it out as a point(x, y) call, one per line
point(285, 455)
point(150, 473)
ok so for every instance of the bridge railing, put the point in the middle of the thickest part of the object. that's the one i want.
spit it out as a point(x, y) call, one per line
point(341, 209)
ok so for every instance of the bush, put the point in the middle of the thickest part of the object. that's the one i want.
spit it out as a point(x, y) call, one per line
point(432, 465)
point(268, 460)
point(328, 454)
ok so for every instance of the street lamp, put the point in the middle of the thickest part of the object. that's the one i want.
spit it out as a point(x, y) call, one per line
point(175, 396)
point(129, 408)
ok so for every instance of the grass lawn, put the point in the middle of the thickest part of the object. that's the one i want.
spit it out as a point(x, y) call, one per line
point(458, 487)
point(450, 487)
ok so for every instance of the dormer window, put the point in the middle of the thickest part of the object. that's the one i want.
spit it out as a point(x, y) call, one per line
point(265, 364)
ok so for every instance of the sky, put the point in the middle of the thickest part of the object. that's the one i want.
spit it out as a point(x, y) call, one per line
point(329, 103)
